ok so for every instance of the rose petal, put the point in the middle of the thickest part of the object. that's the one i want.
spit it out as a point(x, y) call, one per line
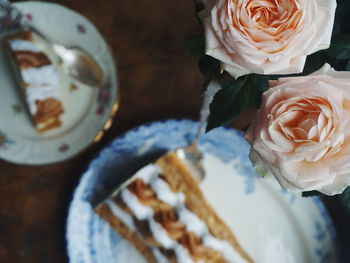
point(266, 37)
point(303, 132)
point(298, 174)
point(339, 184)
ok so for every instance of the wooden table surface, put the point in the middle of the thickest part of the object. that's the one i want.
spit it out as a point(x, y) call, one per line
point(158, 80)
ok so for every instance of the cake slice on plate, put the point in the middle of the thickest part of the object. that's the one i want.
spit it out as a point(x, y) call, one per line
point(164, 214)
point(38, 77)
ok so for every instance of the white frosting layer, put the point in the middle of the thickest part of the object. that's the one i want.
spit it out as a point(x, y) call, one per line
point(150, 175)
point(45, 75)
point(121, 214)
point(159, 256)
point(160, 234)
point(148, 172)
point(23, 45)
point(192, 221)
point(164, 192)
point(142, 212)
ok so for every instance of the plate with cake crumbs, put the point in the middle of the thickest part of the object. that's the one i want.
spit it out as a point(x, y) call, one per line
point(45, 116)
point(138, 201)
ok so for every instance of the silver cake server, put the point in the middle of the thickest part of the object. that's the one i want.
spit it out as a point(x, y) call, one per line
point(191, 154)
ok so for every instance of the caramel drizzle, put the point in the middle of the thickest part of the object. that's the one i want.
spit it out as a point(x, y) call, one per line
point(25, 35)
point(29, 59)
point(146, 195)
point(168, 217)
point(47, 109)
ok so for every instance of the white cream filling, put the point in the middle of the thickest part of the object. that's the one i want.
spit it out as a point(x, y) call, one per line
point(23, 45)
point(148, 172)
point(160, 234)
point(191, 220)
point(159, 256)
point(121, 214)
point(162, 190)
point(45, 75)
point(42, 125)
point(150, 175)
point(142, 212)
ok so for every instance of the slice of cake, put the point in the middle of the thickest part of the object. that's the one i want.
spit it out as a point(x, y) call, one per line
point(38, 78)
point(164, 214)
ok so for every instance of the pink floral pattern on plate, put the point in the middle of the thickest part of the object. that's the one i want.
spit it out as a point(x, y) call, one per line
point(29, 16)
point(63, 148)
point(104, 98)
point(81, 29)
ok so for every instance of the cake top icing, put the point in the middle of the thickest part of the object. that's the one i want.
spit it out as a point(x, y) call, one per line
point(18, 44)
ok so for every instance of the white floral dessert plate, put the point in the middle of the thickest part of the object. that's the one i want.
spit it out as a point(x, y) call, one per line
point(88, 111)
point(271, 225)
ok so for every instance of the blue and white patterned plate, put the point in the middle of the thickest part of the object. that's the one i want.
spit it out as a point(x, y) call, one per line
point(272, 226)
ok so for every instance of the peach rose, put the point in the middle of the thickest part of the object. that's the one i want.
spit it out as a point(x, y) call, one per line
point(301, 133)
point(266, 36)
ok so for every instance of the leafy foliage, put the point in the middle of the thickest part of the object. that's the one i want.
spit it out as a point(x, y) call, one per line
point(245, 92)
point(340, 47)
point(341, 23)
point(311, 193)
point(347, 67)
point(235, 97)
point(314, 62)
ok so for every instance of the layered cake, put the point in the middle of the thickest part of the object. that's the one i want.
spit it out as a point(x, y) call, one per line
point(164, 214)
point(39, 79)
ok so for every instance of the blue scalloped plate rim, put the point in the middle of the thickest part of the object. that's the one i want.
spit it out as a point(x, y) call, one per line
point(131, 151)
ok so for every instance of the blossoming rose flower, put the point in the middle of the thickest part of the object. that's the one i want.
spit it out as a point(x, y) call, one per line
point(301, 133)
point(266, 36)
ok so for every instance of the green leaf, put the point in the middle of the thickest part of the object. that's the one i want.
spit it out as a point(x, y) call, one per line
point(347, 67)
point(226, 104)
point(195, 45)
point(340, 47)
point(255, 86)
point(314, 62)
point(209, 66)
point(341, 22)
point(345, 198)
point(260, 81)
point(311, 193)
point(236, 96)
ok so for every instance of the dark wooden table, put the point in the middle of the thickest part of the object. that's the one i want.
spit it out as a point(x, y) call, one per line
point(158, 80)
